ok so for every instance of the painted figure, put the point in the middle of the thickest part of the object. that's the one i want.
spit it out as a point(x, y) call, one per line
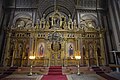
point(41, 50)
point(70, 50)
point(20, 50)
point(27, 51)
point(91, 52)
point(59, 56)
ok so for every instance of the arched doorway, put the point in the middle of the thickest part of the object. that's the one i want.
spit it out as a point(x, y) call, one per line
point(55, 54)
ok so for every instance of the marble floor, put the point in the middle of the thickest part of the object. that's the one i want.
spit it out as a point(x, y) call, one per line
point(22, 77)
point(38, 77)
point(114, 74)
point(70, 76)
point(85, 77)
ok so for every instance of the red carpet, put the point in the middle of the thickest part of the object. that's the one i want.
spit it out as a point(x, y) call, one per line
point(55, 73)
point(54, 77)
point(55, 70)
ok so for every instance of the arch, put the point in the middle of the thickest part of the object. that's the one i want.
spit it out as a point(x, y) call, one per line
point(83, 50)
point(67, 6)
point(90, 16)
point(50, 13)
point(21, 15)
point(69, 2)
point(62, 7)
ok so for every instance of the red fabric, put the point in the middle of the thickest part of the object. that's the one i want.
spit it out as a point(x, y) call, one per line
point(54, 77)
point(55, 73)
point(55, 70)
point(55, 67)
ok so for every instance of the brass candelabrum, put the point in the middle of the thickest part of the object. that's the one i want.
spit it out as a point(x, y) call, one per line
point(31, 67)
point(78, 67)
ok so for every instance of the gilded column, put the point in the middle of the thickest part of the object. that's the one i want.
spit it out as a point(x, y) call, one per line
point(13, 56)
point(35, 47)
point(66, 51)
point(66, 46)
point(81, 51)
point(96, 55)
point(87, 52)
point(76, 43)
point(35, 44)
point(102, 49)
point(97, 58)
point(7, 49)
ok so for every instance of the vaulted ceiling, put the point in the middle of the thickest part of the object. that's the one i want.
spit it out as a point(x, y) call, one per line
point(47, 6)
point(65, 6)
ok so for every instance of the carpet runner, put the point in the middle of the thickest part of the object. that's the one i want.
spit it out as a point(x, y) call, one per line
point(102, 74)
point(55, 73)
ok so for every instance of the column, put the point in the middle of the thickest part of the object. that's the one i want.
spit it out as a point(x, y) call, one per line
point(119, 3)
point(76, 48)
point(95, 53)
point(35, 44)
point(81, 51)
point(116, 13)
point(117, 21)
point(114, 23)
point(1, 32)
point(7, 48)
point(97, 58)
point(78, 16)
point(102, 49)
point(107, 40)
point(13, 56)
point(1, 12)
point(87, 52)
